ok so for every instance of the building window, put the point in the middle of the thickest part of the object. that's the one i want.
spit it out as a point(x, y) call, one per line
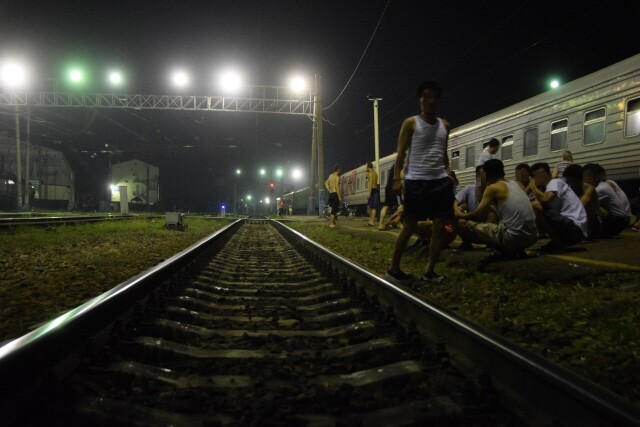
point(470, 157)
point(455, 160)
point(632, 118)
point(530, 142)
point(594, 126)
point(559, 134)
point(507, 148)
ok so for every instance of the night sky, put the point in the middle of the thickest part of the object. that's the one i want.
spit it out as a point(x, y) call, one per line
point(487, 55)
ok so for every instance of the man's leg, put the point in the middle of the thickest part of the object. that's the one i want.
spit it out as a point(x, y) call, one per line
point(437, 238)
point(409, 226)
point(383, 212)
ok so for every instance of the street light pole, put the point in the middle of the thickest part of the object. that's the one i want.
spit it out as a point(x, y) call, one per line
point(18, 158)
point(376, 133)
point(317, 116)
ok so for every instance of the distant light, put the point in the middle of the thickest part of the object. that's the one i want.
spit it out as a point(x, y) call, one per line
point(238, 171)
point(13, 74)
point(115, 78)
point(230, 81)
point(223, 207)
point(296, 173)
point(180, 78)
point(76, 75)
point(279, 172)
point(554, 84)
point(263, 172)
point(267, 200)
point(298, 84)
point(249, 197)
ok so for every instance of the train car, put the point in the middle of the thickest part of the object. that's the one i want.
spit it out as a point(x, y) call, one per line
point(354, 187)
point(298, 201)
point(596, 117)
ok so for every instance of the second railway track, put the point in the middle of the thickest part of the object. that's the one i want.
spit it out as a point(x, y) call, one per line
point(263, 327)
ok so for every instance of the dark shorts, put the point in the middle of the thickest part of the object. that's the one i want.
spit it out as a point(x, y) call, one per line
point(428, 199)
point(374, 198)
point(334, 203)
point(613, 225)
point(566, 230)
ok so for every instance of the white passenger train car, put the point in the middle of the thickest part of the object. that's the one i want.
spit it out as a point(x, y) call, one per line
point(596, 117)
point(354, 183)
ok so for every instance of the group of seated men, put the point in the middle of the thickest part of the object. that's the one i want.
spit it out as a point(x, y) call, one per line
point(578, 204)
point(568, 206)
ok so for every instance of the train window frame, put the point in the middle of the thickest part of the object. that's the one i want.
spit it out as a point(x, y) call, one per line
point(472, 157)
point(599, 121)
point(560, 130)
point(507, 141)
point(524, 141)
point(455, 160)
point(632, 118)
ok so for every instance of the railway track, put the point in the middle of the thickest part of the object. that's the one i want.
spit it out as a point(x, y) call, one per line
point(256, 325)
point(11, 222)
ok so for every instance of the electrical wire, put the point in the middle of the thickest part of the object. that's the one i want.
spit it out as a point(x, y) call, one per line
point(361, 57)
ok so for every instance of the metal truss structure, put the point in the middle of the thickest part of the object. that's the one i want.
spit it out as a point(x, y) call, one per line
point(252, 99)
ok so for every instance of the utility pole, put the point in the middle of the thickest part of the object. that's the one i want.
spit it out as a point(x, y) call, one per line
point(27, 184)
point(376, 132)
point(317, 117)
point(18, 159)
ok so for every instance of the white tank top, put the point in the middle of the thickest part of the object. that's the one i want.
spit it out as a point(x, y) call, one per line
point(425, 155)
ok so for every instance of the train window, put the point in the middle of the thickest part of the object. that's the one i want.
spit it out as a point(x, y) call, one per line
point(594, 126)
point(507, 148)
point(632, 118)
point(559, 134)
point(470, 157)
point(455, 160)
point(530, 142)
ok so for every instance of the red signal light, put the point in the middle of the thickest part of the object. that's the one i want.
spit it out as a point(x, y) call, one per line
point(272, 185)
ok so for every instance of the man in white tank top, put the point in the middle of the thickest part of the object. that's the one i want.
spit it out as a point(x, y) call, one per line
point(516, 228)
point(428, 188)
point(559, 212)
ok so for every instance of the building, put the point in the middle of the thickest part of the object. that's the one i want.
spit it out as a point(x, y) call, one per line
point(51, 179)
point(141, 180)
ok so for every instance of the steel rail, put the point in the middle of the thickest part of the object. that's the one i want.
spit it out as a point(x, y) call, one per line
point(538, 389)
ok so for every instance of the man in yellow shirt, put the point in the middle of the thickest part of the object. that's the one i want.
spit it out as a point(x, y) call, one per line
point(374, 194)
point(333, 187)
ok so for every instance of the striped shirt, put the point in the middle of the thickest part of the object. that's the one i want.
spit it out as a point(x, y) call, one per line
point(425, 155)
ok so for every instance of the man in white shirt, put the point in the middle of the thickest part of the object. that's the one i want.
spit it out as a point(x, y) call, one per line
point(489, 151)
point(613, 213)
point(559, 212)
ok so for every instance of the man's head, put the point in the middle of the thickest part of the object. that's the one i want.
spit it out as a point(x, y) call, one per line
point(523, 174)
point(369, 165)
point(541, 173)
point(573, 177)
point(429, 93)
point(592, 173)
point(336, 168)
point(567, 156)
point(493, 145)
point(494, 170)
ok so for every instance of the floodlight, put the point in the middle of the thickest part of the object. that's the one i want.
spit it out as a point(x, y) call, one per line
point(296, 173)
point(298, 84)
point(13, 74)
point(230, 81)
point(115, 78)
point(180, 78)
point(76, 75)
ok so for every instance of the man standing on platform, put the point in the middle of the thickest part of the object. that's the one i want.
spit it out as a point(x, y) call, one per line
point(428, 189)
point(333, 187)
point(374, 194)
